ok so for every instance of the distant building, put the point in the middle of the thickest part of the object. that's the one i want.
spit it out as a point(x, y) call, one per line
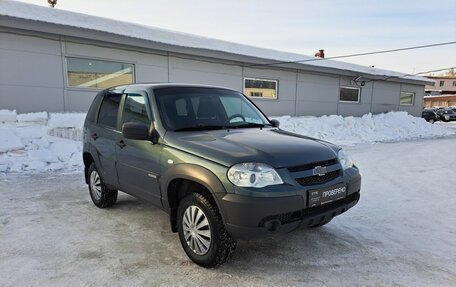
point(56, 60)
point(438, 101)
point(441, 85)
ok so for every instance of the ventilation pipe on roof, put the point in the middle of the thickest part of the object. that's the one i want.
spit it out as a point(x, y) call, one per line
point(52, 3)
point(320, 53)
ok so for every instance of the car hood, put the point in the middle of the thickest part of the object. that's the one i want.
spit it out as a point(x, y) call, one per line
point(272, 146)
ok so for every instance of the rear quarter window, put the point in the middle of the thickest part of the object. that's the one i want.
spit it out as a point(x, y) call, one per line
point(92, 112)
point(107, 116)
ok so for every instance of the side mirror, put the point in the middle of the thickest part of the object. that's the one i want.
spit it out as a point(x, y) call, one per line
point(275, 123)
point(135, 131)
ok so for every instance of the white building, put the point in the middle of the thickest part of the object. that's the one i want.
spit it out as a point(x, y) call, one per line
point(56, 60)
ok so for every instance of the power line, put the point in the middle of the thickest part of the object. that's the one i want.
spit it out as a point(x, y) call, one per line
point(432, 71)
point(358, 54)
point(408, 75)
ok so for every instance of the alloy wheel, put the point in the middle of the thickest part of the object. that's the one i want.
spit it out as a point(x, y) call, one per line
point(197, 230)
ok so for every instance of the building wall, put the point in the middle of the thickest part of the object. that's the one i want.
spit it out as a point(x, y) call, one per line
point(33, 78)
point(440, 101)
point(449, 84)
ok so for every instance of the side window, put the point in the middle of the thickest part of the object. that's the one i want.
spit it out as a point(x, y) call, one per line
point(136, 109)
point(107, 115)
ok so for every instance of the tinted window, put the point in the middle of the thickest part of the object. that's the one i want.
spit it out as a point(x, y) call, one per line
point(108, 110)
point(92, 113)
point(183, 108)
point(136, 109)
point(237, 106)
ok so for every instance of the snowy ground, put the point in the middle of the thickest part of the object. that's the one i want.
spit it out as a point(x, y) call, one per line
point(402, 232)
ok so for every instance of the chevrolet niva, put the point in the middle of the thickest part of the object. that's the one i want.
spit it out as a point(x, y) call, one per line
point(215, 163)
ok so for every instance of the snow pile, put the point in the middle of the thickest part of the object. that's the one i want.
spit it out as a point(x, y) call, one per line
point(392, 126)
point(7, 116)
point(68, 120)
point(42, 141)
point(27, 141)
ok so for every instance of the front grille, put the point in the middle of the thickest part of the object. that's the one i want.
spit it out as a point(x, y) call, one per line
point(313, 165)
point(316, 179)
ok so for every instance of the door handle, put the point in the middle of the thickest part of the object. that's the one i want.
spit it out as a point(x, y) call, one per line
point(121, 144)
point(94, 136)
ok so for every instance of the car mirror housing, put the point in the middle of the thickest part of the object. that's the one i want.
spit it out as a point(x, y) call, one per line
point(136, 131)
point(275, 123)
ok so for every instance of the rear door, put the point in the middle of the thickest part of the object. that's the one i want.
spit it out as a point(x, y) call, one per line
point(104, 136)
point(138, 160)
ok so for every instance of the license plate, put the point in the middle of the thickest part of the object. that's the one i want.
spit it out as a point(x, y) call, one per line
point(321, 196)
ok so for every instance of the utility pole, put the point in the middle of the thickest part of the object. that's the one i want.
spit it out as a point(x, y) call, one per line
point(52, 3)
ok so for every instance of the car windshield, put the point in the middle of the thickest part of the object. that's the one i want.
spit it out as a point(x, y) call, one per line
point(196, 108)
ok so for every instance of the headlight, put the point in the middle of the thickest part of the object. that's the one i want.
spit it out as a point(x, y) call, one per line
point(251, 174)
point(344, 159)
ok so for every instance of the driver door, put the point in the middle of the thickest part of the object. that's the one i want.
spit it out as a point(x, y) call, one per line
point(138, 161)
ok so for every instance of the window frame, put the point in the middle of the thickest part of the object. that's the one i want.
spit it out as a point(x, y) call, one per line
point(75, 88)
point(441, 83)
point(351, 88)
point(261, 79)
point(407, 92)
point(454, 83)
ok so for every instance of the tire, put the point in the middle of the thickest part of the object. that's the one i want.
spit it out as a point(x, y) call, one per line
point(101, 195)
point(431, 121)
point(215, 246)
point(320, 224)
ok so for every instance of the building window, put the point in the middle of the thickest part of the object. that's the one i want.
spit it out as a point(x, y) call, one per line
point(454, 83)
point(407, 98)
point(349, 94)
point(441, 83)
point(261, 88)
point(97, 74)
point(432, 84)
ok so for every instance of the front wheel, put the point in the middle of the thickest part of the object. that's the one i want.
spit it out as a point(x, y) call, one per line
point(202, 232)
point(101, 195)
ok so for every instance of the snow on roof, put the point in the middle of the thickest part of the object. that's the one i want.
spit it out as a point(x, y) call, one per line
point(72, 19)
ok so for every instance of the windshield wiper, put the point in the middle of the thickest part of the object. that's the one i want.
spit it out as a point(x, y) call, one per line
point(248, 125)
point(200, 128)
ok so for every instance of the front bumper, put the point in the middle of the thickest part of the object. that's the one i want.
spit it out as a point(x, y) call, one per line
point(248, 217)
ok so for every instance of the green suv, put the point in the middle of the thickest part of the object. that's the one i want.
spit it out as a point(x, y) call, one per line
point(215, 163)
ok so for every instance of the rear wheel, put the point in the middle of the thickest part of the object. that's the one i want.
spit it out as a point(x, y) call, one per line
point(431, 121)
point(202, 232)
point(101, 195)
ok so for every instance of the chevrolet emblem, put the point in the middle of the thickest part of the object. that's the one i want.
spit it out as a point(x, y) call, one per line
point(319, 170)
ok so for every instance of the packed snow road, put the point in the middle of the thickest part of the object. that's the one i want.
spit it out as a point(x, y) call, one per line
point(402, 232)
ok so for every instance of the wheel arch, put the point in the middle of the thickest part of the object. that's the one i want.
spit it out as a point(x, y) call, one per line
point(88, 160)
point(182, 179)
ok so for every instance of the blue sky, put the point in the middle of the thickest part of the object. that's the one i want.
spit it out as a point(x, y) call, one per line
point(339, 27)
